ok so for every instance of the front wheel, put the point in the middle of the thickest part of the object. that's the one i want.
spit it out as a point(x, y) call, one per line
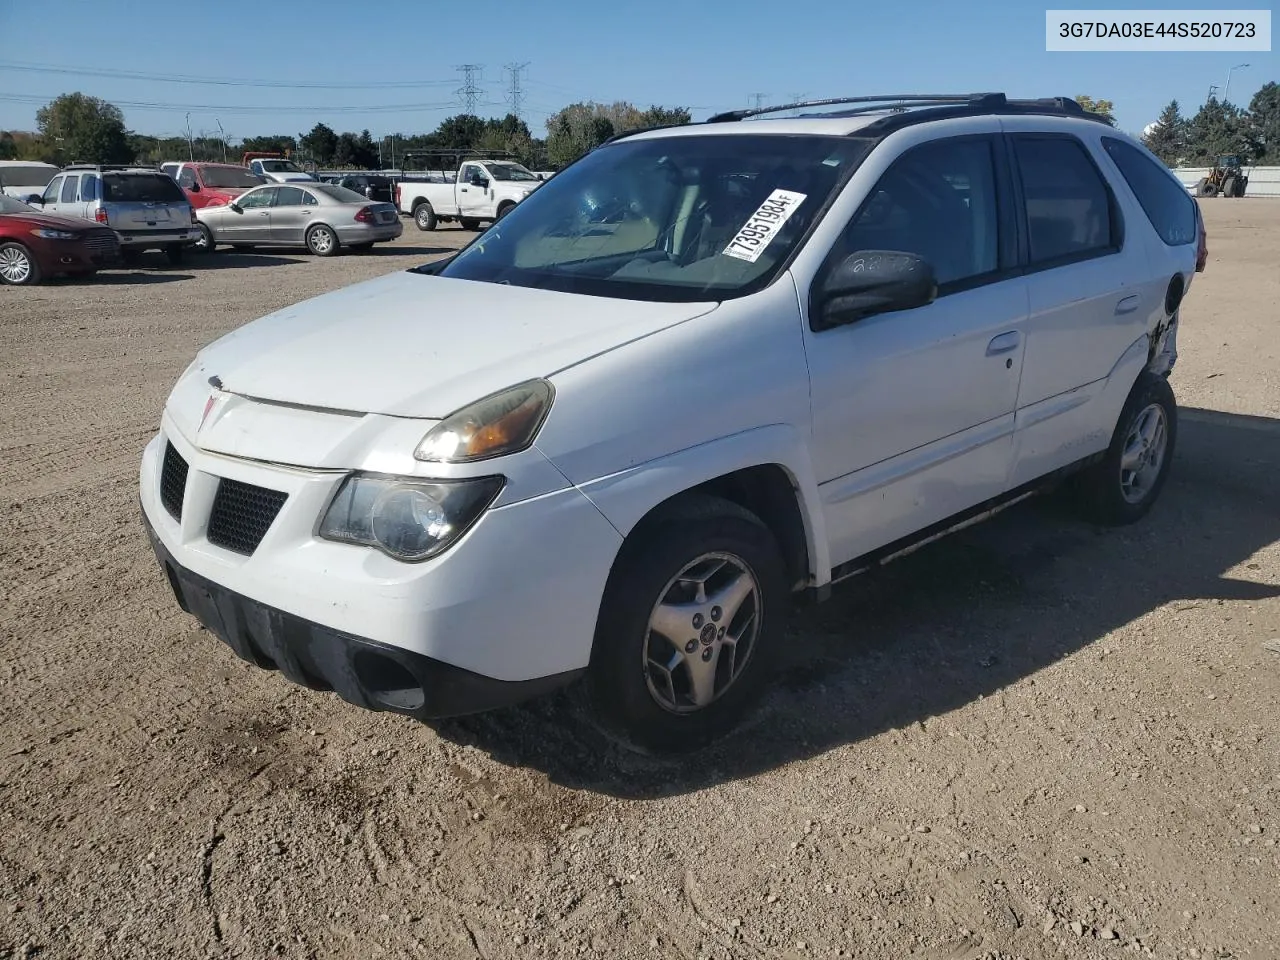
point(1122, 486)
point(688, 626)
point(205, 244)
point(322, 241)
point(17, 266)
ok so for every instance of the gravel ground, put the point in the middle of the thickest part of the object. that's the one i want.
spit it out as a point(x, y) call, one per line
point(1033, 739)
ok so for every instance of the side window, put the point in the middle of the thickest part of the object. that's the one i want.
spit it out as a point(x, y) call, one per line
point(89, 187)
point(469, 171)
point(1163, 199)
point(1070, 215)
point(938, 201)
point(309, 199)
point(51, 191)
point(289, 197)
point(187, 179)
point(257, 198)
point(69, 190)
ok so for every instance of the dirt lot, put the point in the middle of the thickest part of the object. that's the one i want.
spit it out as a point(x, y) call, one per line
point(1034, 739)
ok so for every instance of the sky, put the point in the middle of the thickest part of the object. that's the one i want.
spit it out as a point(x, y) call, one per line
point(391, 66)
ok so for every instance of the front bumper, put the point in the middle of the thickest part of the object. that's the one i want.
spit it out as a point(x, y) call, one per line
point(365, 673)
point(489, 621)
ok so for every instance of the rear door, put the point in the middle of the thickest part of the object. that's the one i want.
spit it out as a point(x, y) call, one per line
point(144, 202)
point(291, 214)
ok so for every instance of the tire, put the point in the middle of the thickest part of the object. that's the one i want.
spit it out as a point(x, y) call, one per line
point(504, 210)
point(1242, 187)
point(206, 243)
point(18, 267)
point(174, 254)
point(321, 240)
point(632, 697)
point(1229, 187)
point(424, 218)
point(1210, 190)
point(469, 224)
point(1111, 491)
point(1200, 187)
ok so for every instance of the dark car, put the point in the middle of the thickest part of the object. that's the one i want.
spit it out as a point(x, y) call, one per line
point(368, 185)
point(34, 245)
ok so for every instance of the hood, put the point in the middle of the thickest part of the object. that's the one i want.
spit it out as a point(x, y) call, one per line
point(77, 224)
point(287, 176)
point(411, 345)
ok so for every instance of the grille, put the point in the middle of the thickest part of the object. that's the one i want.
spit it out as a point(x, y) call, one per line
point(173, 481)
point(241, 515)
point(102, 243)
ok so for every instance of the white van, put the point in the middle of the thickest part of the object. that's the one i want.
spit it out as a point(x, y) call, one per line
point(22, 178)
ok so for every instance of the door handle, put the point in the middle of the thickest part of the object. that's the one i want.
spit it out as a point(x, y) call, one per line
point(462, 189)
point(1127, 305)
point(1004, 343)
point(266, 214)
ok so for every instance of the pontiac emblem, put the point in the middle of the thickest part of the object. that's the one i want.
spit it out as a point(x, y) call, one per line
point(208, 405)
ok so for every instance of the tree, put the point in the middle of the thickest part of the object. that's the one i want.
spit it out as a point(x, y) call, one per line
point(320, 144)
point(1168, 138)
point(1217, 128)
point(576, 130)
point(1104, 108)
point(274, 143)
point(665, 116)
point(1263, 125)
point(8, 146)
point(462, 132)
point(84, 128)
point(369, 149)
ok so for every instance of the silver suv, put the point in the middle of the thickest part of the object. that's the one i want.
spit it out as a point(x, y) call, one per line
point(142, 205)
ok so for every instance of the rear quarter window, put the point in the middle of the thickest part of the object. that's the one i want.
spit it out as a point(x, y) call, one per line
point(141, 188)
point(1163, 199)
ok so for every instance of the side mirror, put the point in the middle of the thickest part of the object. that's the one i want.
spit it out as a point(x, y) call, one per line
point(235, 206)
point(194, 188)
point(540, 176)
point(478, 181)
point(34, 198)
point(870, 282)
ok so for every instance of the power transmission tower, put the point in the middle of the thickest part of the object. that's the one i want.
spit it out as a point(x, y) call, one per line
point(796, 98)
point(469, 92)
point(515, 93)
point(759, 99)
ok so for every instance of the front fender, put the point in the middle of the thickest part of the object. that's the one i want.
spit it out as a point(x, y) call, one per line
point(625, 498)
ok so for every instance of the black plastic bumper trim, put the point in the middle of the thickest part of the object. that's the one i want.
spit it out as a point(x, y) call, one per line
point(318, 657)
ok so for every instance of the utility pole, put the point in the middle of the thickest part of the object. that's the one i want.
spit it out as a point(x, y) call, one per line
point(469, 92)
point(1226, 91)
point(223, 134)
point(759, 99)
point(515, 94)
point(191, 149)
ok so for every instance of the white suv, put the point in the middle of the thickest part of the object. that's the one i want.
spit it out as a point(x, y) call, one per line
point(704, 369)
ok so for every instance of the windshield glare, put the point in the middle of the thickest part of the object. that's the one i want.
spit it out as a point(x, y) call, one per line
point(230, 177)
point(510, 171)
point(683, 218)
point(10, 205)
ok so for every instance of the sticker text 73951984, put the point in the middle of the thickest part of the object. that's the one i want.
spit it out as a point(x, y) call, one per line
point(763, 225)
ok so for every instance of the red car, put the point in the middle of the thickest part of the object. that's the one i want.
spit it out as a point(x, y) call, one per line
point(35, 245)
point(213, 184)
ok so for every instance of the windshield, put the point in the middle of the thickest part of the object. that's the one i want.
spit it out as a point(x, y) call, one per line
point(510, 171)
point(230, 177)
point(10, 205)
point(682, 218)
point(280, 166)
point(141, 188)
point(341, 194)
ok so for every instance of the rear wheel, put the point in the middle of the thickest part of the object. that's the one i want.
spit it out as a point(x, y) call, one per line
point(1124, 484)
point(17, 266)
point(322, 241)
point(505, 209)
point(688, 626)
point(1229, 187)
point(424, 218)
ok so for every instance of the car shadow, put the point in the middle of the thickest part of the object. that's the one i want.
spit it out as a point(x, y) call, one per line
point(390, 251)
point(224, 259)
point(956, 621)
point(130, 276)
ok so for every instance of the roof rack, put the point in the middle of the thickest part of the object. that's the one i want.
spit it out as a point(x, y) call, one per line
point(899, 104)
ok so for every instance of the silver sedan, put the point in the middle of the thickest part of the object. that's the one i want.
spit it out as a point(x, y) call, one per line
point(322, 217)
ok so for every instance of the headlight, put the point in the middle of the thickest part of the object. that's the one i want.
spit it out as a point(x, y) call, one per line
point(502, 423)
point(54, 234)
point(407, 519)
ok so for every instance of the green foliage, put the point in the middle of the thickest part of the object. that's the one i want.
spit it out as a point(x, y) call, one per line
point(1103, 108)
point(320, 144)
point(8, 146)
point(281, 143)
point(1263, 125)
point(1168, 140)
point(1216, 129)
point(76, 127)
point(581, 127)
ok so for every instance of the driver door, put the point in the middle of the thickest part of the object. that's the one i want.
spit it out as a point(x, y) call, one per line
point(913, 410)
point(253, 223)
point(473, 201)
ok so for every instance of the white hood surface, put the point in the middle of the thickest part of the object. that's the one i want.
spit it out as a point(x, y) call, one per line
point(412, 345)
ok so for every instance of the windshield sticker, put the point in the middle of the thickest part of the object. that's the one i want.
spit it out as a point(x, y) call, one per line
point(763, 225)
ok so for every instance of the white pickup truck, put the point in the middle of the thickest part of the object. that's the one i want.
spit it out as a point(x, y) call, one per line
point(481, 190)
